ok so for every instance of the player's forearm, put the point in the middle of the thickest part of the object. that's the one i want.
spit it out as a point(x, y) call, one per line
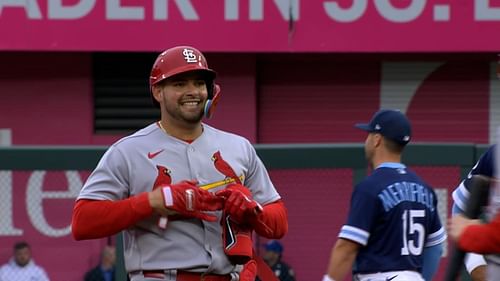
point(341, 260)
point(97, 219)
point(272, 223)
point(483, 239)
point(431, 256)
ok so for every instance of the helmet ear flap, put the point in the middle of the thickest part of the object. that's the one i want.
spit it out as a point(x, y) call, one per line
point(212, 101)
point(210, 88)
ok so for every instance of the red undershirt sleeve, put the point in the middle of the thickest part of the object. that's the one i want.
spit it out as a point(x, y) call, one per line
point(482, 239)
point(272, 223)
point(102, 218)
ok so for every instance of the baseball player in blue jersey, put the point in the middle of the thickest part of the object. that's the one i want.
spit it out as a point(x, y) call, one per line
point(186, 195)
point(393, 218)
point(474, 263)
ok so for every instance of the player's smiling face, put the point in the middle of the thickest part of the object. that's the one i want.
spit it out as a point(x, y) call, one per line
point(184, 97)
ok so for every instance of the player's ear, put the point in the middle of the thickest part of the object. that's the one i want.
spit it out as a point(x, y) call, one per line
point(377, 140)
point(157, 93)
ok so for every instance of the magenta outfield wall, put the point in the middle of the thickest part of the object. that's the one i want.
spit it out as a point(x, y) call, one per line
point(251, 26)
point(47, 98)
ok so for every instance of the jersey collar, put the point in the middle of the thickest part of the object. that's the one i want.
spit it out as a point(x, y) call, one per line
point(393, 165)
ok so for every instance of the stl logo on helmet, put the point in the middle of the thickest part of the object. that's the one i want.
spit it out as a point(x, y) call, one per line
point(189, 56)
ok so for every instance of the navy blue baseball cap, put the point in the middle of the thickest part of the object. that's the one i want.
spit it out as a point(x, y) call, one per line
point(274, 246)
point(391, 124)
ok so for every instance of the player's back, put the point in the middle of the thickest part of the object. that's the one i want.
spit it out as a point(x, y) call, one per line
point(401, 220)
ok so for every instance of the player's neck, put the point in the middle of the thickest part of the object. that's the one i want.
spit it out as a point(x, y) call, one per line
point(185, 133)
point(385, 157)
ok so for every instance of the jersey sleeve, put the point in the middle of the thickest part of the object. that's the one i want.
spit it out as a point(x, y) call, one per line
point(43, 275)
point(460, 197)
point(258, 180)
point(461, 194)
point(437, 233)
point(108, 181)
point(272, 223)
point(363, 212)
point(101, 218)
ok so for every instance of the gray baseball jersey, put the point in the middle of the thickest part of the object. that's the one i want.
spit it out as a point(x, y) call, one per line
point(138, 162)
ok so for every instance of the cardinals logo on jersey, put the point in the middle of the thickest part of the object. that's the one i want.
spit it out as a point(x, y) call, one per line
point(163, 177)
point(224, 168)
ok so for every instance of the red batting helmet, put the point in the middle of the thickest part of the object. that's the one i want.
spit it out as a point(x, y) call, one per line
point(178, 60)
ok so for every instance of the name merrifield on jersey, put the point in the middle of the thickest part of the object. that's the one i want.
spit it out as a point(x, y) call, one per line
point(399, 192)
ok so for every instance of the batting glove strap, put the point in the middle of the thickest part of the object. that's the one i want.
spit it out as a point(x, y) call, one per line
point(176, 202)
point(168, 198)
point(189, 200)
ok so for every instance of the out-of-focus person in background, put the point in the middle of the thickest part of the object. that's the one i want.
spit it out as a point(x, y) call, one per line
point(105, 270)
point(273, 251)
point(474, 263)
point(22, 267)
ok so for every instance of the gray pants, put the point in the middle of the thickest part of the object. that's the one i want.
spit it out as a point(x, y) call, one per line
point(170, 275)
point(492, 272)
point(404, 275)
point(142, 278)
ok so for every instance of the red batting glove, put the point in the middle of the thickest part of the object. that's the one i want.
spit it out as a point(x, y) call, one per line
point(188, 200)
point(239, 203)
point(249, 271)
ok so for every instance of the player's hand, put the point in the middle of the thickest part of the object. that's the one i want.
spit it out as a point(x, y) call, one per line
point(458, 224)
point(249, 271)
point(186, 199)
point(478, 273)
point(239, 203)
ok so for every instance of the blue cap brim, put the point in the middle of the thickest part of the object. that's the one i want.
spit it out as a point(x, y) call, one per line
point(364, 127)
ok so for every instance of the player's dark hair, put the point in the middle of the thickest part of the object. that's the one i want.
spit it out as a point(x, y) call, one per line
point(394, 146)
point(21, 245)
point(162, 83)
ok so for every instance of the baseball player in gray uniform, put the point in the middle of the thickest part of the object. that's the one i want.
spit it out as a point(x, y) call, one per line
point(187, 196)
